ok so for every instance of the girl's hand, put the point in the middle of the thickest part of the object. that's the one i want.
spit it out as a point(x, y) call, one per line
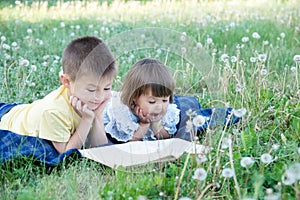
point(81, 108)
point(144, 118)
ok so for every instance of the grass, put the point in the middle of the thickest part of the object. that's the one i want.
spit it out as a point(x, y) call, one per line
point(260, 74)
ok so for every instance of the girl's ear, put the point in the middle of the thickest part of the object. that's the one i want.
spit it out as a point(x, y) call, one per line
point(65, 80)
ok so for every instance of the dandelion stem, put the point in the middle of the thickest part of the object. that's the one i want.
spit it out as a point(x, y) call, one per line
point(205, 189)
point(232, 166)
point(181, 176)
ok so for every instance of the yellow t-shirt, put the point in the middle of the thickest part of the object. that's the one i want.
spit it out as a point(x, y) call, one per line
point(52, 118)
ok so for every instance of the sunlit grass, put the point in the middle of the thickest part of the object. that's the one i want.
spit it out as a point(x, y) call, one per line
point(253, 46)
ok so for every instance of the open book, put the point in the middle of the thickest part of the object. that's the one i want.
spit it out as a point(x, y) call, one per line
point(142, 152)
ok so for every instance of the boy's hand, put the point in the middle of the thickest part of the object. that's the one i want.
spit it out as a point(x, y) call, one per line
point(99, 111)
point(81, 108)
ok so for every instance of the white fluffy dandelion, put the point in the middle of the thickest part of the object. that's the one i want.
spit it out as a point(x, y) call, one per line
point(255, 35)
point(297, 58)
point(227, 173)
point(226, 142)
point(252, 59)
point(266, 158)
point(245, 39)
point(247, 162)
point(200, 174)
point(239, 112)
point(288, 178)
point(198, 120)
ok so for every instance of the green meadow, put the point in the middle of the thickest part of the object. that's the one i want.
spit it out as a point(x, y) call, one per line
point(238, 53)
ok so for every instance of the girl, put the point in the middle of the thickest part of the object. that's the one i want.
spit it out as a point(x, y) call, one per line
point(147, 110)
point(144, 110)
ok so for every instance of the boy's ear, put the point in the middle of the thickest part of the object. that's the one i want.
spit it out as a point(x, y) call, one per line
point(65, 80)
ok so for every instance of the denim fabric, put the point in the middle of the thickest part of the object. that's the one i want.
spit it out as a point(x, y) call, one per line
point(13, 145)
point(216, 116)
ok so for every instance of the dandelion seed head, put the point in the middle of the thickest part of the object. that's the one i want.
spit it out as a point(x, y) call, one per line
point(252, 59)
point(297, 58)
point(199, 45)
point(209, 41)
point(200, 174)
point(266, 158)
point(233, 59)
point(239, 112)
point(262, 57)
point(14, 44)
point(288, 179)
point(24, 62)
point(226, 142)
point(263, 72)
point(227, 173)
point(282, 35)
point(265, 42)
point(247, 162)
point(29, 31)
point(189, 126)
point(198, 120)
point(245, 39)
point(3, 38)
point(33, 68)
point(224, 57)
point(255, 35)
point(6, 46)
point(7, 56)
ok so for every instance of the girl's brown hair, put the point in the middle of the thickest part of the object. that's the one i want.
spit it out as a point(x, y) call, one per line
point(147, 74)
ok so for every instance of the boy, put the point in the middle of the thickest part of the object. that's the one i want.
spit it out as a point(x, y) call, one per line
point(72, 115)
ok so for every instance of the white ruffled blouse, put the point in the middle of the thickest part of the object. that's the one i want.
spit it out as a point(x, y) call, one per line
point(121, 123)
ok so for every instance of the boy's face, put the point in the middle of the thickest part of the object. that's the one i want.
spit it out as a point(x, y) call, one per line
point(156, 107)
point(91, 90)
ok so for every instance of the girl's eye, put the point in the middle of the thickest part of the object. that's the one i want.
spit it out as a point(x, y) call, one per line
point(107, 88)
point(152, 102)
point(165, 100)
point(91, 90)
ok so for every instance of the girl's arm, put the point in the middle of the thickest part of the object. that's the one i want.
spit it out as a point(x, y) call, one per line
point(159, 131)
point(140, 132)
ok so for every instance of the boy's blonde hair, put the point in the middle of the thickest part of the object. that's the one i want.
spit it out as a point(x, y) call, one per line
point(147, 74)
point(88, 55)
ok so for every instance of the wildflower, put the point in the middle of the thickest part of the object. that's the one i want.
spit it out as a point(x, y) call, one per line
point(209, 40)
point(190, 113)
point(6, 46)
point(262, 57)
point(62, 24)
point(189, 126)
point(161, 194)
point(226, 142)
point(297, 58)
point(54, 29)
point(77, 27)
point(245, 39)
point(24, 62)
point(7, 56)
point(201, 158)
point(266, 158)
point(199, 120)
point(200, 174)
point(252, 59)
point(275, 146)
point(33, 68)
point(282, 35)
point(143, 36)
point(3, 38)
point(91, 26)
point(294, 170)
point(265, 42)
point(29, 31)
point(247, 162)
point(224, 57)
point(227, 173)
point(263, 72)
point(184, 198)
point(288, 179)
point(233, 59)
point(293, 69)
point(255, 35)
point(14, 44)
point(183, 37)
point(239, 112)
point(183, 50)
point(199, 45)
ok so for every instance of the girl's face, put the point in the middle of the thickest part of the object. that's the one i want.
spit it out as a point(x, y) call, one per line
point(154, 107)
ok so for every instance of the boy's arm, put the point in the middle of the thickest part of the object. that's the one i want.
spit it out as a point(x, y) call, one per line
point(77, 139)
